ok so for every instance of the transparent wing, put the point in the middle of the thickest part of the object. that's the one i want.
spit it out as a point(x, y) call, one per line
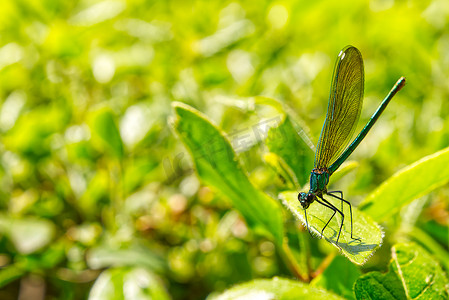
point(345, 104)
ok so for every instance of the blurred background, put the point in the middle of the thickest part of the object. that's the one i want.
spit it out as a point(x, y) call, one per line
point(97, 195)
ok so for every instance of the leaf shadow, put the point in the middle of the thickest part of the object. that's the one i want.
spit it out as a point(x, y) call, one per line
point(354, 246)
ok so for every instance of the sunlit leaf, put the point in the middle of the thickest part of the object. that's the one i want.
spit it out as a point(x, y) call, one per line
point(344, 169)
point(412, 182)
point(10, 273)
point(317, 216)
point(28, 234)
point(136, 173)
point(284, 172)
point(413, 274)
point(285, 142)
point(275, 288)
point(420, 273)
point(31, 135)
point(128, 284)
point(105, 130)
point(217, 165)
point(96, 192)
point(106, 256)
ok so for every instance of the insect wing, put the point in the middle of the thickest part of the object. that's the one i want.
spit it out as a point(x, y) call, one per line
point(345, 104)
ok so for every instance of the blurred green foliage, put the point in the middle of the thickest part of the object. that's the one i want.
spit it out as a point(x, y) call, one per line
point(99, 197)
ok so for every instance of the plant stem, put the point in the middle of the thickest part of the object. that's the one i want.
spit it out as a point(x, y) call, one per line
point(324, 264)
point(292, 263)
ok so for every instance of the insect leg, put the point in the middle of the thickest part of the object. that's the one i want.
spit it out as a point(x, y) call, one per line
point(328, 205)
point(335, 210)
point(350, 210)
point(307, 223)
point(341, 196)
point(336, 192)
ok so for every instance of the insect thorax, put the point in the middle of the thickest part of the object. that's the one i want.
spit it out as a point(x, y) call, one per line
point(319, 178)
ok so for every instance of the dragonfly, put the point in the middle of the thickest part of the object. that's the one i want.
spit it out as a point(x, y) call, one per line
point(333, 148)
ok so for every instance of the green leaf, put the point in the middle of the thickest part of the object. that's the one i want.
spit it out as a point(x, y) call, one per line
point(106, 256)
point(339, 277)
point(287, 144)
point(282, 169)
point(435, 248)
point(317, 216)
point(36, 262)
point(275, 288)
point(344, 169)
point(105, 132)
point(420, 273)
point(136, 172)
point(27, 234)
point(438, 231)
point(96, 192)
point(412, 182)
point(375, 285)
point(413, 274)
point(128, 284)
point(10, 273)
point(218, 167)
point(32, 132)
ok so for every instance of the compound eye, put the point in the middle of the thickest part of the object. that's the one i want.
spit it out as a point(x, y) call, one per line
point(304, 200)
point(310, 197)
